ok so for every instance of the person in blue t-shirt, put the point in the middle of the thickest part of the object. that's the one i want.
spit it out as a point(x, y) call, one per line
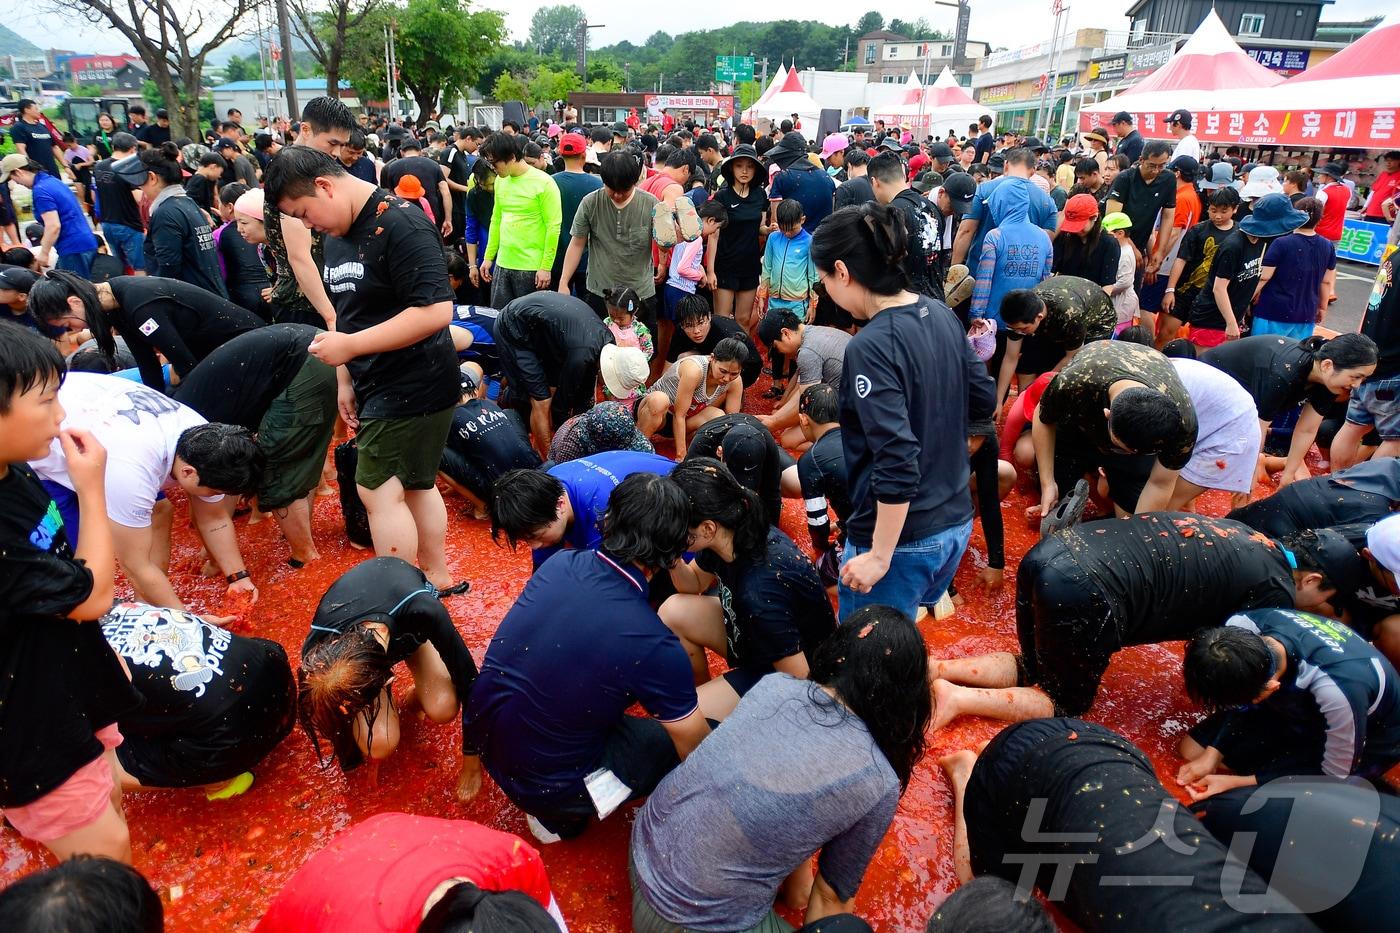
point(66, 228)
point(972, 231)
point(1296, 694)
point(562, 508)
point(548, 712)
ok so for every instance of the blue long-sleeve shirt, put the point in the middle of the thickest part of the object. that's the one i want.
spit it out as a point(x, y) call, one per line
point(902, 423)
point(588, 483)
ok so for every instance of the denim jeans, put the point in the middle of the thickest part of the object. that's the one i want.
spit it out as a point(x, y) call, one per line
point(127, 244)
point(77, 263)
point(920, 572)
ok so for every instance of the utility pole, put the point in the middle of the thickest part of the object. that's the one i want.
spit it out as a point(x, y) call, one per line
point(583, 26)
point(289, 71)
point(846, 55)
point(1041, 117)
point(763, 81)
point(627, 77)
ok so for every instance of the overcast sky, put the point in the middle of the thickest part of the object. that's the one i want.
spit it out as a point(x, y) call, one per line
point(1008, 23)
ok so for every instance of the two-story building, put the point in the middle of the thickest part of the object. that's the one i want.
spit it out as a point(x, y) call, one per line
point(1247, 20)
point(886, 57)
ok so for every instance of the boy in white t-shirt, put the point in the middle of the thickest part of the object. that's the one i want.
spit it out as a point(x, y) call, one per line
point(152, 439)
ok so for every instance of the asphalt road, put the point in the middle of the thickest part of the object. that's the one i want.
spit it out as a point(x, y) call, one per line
point(1354, 282)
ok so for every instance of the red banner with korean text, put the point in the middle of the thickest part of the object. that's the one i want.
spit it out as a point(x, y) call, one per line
point(1301, 129)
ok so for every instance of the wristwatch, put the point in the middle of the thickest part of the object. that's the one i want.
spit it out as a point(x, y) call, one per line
point(235, 577)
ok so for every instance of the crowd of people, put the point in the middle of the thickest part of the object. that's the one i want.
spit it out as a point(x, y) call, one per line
point(624, 348)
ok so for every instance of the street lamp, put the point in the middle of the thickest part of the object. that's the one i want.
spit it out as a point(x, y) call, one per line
point(627, 77)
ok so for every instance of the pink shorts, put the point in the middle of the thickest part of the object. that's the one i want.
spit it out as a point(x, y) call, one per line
point(75, 803)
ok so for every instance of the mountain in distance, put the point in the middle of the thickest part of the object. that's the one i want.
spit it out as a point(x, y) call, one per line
point(12, 43)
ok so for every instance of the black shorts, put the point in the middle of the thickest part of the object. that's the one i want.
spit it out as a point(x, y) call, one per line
point(1066, 628)
point(639, 751)
point(234, 742)
point(1127, 474)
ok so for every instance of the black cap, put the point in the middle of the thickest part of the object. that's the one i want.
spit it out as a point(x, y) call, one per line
point(927, 181)
point(1182, 116)
point(1390, 154)
point(960, 188)
point(1035, 144)
point(17, 278)
point(1122, 116)
point(997, 163)
point(1189, 168)
point(1330, 552)
point(745, 449)
point(410, 143)
point(1335, 169)
point(941, 151)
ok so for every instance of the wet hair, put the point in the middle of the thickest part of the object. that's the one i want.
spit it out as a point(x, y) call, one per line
point(356, 140)
point(620, 170)
point(1140, 417)
point(327, 113)
point(887, 168)
point(163, 161)
point(989, 904)
point(1156, 147)
point(707, 141)
point(715, 495)
point(457, 267)
point(27, 361)
point(714, 210)
point(231, 192)
point(48, 301)
point(503, 147)
point(213, 158)
point(339, 678)
point(692, 308)
point(1345, 351)
point(1136, 334)
point(1224, 197)
point(730, 350)
point(624, 299)
point(92, 360)
point(262, 142)
point(870, 239)
point(523, 502)
point(293, 173)
point(1021, 157)
point(1180, 349)
point(1086, 167)
point(789, 213)
point(225, 455)
point(820, 403)
point(85, 894)
point(1226, 666)
point(466, 908)
point(647, 521)
point(745, 133)
point(21, 256)
point(1021, 305)
point(877, 663)
point(678, 159)
point(1313, 208)
point(533, 151)
point(857, 157)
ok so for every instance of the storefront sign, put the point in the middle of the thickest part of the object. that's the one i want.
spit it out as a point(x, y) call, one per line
point(1362, 241)
point(1110, 69)
point(997, 93)
point(1142, 62)
point(1284, 61)
point(1016, 55)
point(1302, 129)
point(656, 103)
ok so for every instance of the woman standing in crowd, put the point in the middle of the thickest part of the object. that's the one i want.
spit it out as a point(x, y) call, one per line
point(179, 238)
point(181, 322)
point(732, 271)
point(102, 140)
point(1083, 249)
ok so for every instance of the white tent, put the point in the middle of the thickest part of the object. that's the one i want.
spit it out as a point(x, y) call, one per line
point(779, 77)
point(944, 104)
point(790, 98)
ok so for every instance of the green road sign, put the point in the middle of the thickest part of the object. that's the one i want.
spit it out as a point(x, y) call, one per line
point(734, 68)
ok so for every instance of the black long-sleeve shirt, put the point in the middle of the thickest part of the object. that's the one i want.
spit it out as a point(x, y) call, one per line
point(180, 245)
point(910, 385)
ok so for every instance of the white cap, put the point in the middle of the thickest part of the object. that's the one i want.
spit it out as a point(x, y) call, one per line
point(624, 369)
point(1383, 540)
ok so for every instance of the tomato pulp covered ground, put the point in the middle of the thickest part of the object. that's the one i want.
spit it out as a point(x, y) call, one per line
point(217, 865)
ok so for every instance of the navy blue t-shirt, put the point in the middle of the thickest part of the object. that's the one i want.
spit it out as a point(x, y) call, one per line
point(555, 681)
point(589, 482)
point(572, 187)
point(810, 186)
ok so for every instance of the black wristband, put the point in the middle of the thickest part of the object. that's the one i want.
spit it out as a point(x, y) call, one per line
point(235, 577)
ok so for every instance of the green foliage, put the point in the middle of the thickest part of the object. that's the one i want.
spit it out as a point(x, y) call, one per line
point(869, 23)
point(918, 29)
point(362, 62)
point(85, 90)
point(440, 47)
point(549, 84)
point(242, 68)
point(554, 31)
point(508, 87)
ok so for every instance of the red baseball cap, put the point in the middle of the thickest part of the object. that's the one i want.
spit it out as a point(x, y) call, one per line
point(572, 144)
point(1080, 211)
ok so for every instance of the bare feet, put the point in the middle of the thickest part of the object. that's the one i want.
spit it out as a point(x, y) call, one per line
point(958, 766)
point(945, 709)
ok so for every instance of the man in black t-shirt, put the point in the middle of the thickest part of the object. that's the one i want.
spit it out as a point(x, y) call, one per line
point(698, 330)
point(484, 443)
point(266, 381)
point(819, 476)
point(431, 174)
point(1086, 592)
point(31, 135)
point(1078, 809)
point(1220, 308)
point(386, 275)
point(1146, 193)
point(122, 226)
point(985, 144)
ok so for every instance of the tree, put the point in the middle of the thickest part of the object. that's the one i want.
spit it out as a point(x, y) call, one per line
point(242, 68)
point(550, 84)
point(362, 59)
point(505, 60)
point(509, 87)
point(869, 23)
point(554, 31)
point(173, 38)
point(440, 45)
point(326, 29)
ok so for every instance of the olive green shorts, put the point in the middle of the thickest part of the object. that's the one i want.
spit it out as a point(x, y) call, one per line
point(295, 433)
point(409, 448)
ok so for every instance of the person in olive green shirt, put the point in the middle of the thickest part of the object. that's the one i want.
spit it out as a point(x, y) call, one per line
point(528, 206)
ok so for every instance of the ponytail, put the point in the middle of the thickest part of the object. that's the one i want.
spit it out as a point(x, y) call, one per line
point(715, 495)
point(871, 240)
point(164, 163)
point(1345, 351)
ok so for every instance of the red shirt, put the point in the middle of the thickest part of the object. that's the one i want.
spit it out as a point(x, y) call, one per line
point(1386, 186)
point(1334, 211)
point(375, 876)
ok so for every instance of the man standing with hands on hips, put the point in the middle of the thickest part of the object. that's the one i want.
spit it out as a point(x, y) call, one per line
point(386, 276)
